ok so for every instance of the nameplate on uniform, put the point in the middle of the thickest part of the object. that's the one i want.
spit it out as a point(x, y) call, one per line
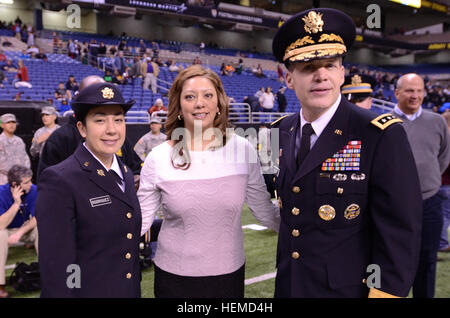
point(99, 201)
point(346, 159)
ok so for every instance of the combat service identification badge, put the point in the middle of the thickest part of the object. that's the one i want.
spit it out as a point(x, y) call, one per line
point(352, 211)
point(327, 212)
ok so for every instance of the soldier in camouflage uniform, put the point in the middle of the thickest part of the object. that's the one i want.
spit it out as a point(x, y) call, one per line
point(150, 140)
point(48, 115)
point(12, 148)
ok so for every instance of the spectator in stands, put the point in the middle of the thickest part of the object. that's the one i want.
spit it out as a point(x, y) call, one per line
point(2, 79)
point(121, 45)
point(17, 31)
point(135, 70)
point(12, 147)
point(56, 43)
point(259, 93)
point(259, 71)
point(430, 142)
point(102, 48)
point(151, 139)
point(197, 61)
point(155, 49)
point(118, 78)
point(267, 100)
point(9, 66)
point(72, 84)
point(173, 67)
point(240, 67)
point(2, 56)
point(22, 79)
point(17, 220)
point(445, 189)
point(113, 50)
point(41, 55)
point(108, 77)
point(151, 76)
point(281, 99)
point(253, 101)
point(48, 116)
point(159, 106)
point(142, 47)
point(213, 265)
point(202, 47)
point(119, 62)
point(379, 94)
point(229, 69)
point(62, 92)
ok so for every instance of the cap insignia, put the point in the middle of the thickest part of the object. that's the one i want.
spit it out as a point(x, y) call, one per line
point(313, 22)
point(107, 93)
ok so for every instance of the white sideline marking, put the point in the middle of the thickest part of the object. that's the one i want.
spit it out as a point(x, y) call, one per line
point(260, 278)
point(255, 227)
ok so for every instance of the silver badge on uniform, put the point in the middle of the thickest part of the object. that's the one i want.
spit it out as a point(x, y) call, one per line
point(358, 176)
point(340, 177)
point(99, 201)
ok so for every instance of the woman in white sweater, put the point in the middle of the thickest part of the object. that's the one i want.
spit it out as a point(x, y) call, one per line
point(201, 184)
point(267, 100)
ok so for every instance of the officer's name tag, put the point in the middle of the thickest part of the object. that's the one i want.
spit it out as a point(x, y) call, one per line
point(99, 201)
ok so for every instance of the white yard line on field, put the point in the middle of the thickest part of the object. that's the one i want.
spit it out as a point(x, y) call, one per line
point(260, 278)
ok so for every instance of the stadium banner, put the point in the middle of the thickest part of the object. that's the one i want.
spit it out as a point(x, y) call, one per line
point(198, 11)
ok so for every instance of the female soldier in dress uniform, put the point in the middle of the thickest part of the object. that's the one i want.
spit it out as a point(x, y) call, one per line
point(87, 211)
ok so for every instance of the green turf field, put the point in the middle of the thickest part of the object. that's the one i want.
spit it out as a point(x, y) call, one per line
point(260, 249)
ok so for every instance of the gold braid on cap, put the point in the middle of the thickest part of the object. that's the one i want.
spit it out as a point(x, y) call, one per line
point(300, 42)
point(315, 51)
point(331, 38)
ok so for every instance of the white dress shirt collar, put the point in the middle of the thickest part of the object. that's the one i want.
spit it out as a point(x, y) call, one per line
point(114, 166)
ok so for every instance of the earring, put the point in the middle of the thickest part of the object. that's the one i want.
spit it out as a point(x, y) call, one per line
point(179, 117)
point(218, 113)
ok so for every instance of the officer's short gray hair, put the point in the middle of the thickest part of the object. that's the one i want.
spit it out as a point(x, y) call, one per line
point(17, 173)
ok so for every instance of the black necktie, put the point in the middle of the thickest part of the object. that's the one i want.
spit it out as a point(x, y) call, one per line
point(116, 177)
point(305, 143)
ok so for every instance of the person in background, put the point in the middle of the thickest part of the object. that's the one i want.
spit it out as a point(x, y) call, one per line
point(17, 220)
point(48, 116)
point(151, 139)
point(12, 147)
point(267, 100)
point(159, 106)
point(430, 142)
point(358, 89)
point(445, 188)
point(281, 99)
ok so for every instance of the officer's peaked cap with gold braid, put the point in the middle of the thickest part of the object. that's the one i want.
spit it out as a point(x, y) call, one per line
point(314, 34)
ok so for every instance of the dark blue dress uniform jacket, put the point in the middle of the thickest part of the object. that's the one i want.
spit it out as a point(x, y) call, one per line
point(84, 218)
point(319, 258)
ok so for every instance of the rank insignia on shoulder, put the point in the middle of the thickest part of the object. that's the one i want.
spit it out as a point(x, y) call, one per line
point(100, 172)
point(385, 120)
point(346, 159)
point(274, 123)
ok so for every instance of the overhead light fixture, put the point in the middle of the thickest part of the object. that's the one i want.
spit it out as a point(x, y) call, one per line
point(6, 1)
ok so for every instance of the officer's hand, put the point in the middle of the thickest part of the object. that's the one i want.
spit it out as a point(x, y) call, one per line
point(17, 193)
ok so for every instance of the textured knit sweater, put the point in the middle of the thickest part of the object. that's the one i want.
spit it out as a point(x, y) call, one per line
point(201, 234)
point(429, 139)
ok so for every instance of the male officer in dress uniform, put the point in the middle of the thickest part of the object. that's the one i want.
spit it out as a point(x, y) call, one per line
point(87, 211)
point(358, 89)
point(347, 186)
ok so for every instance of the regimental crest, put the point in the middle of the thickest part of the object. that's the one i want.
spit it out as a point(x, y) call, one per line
point(356, 80)
point(107, 93)
point(313, 22)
